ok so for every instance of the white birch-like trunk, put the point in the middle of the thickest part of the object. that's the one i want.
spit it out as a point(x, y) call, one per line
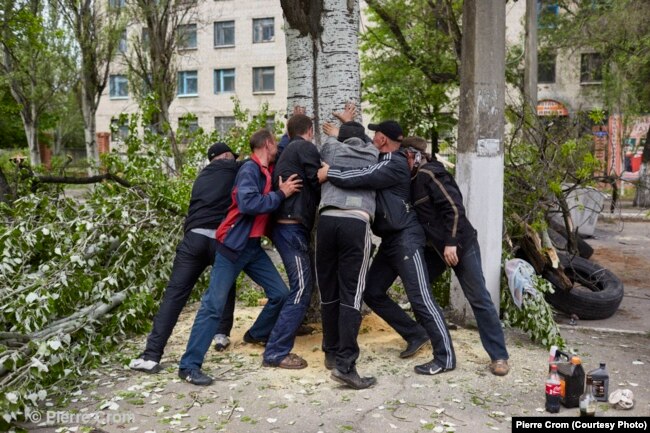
point(92, 153)
point(31, 131)
point(324, 72)
point(300, 70)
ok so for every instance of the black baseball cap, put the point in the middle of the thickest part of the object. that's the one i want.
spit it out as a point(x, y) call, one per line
point(389, 128)
point(219, 148)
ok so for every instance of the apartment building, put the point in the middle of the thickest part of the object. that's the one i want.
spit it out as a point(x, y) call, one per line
point(568, 80)
point(237, 48)
point(231, 48)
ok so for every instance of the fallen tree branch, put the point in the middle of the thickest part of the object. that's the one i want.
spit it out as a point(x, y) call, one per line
point(83, 180)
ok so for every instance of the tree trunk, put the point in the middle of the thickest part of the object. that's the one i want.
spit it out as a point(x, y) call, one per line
point(88, 109)
point(31, 131)
point(322, 56)
point(5, 189)
point(322, 65)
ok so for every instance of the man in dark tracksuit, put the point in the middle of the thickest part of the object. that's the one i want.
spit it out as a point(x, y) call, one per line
point(451, 241)
point(343, 249)
point(208, 205)
point(294, 220)
point(401, 250)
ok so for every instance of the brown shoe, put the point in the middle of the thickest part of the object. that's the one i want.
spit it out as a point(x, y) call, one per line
point(499, 367)
point(290, 362)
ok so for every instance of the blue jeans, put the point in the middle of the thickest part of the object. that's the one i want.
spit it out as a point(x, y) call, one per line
point(470, 276)
point(194, 254)
point(292, 242)
point(254, 261)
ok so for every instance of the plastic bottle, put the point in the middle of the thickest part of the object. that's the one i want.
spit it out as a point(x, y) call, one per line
point(553, 391)
point(600, 382)
point(588, 401)
point(572, 381)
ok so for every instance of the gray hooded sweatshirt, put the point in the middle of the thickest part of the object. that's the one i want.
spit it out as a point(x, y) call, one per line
point(352, 153)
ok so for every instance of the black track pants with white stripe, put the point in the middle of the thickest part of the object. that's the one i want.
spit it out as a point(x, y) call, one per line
point(342, 259)
point(401, 254)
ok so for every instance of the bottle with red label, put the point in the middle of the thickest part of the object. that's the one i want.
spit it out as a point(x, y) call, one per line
point(553, 394)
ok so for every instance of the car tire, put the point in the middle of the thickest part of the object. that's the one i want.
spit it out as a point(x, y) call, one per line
point(596, 294)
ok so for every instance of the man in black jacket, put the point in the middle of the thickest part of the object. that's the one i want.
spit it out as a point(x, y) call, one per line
point(208, 205)
point(451, 241)
point(400, 253)
point(294, 220)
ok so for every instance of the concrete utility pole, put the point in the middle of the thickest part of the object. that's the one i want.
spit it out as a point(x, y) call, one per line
point(479, 169)
point(530, 62)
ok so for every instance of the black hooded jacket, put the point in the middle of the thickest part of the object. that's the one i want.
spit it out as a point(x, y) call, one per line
point(439, 206)
point(211, 194)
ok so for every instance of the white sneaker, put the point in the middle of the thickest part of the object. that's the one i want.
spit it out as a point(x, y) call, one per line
point(221, 341)
point(140, 364)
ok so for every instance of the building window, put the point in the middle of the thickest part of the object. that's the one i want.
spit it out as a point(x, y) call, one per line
point(186, 35)
point(119, 130)
point(224, 124)
point(547, 10)
point(591, 68)
point(188, 83)
point(122, 44)
point(264, 79)
point(191, 123)
point(224, 34)
point(546, 67)
point(224, 80)
point(118, 87)
point(263, 30)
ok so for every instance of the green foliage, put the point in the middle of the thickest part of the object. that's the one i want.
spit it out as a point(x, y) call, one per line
point(410, 76)
point(619, 32)
point(12, 134)
point(535, 316)
point(63, 262)
point(441, 288)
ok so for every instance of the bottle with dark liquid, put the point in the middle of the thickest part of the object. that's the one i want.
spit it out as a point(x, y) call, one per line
point(553, 391)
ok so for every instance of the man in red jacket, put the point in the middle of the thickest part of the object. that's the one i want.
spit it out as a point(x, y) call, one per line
point(239, 249)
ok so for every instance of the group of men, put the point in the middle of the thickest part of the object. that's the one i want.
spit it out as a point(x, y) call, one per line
point(353, 186)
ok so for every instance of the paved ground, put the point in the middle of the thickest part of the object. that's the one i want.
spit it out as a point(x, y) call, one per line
point(249, 398)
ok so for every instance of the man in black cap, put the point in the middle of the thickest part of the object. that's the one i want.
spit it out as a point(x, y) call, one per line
point(208, 205)
point(401, 252)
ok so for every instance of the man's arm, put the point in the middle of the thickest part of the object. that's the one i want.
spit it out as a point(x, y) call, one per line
point(447, 201)
point(376, 176)
point(310, 161)
point(252, 201)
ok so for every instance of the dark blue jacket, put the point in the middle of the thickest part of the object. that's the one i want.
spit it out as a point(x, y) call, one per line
point(248, 201)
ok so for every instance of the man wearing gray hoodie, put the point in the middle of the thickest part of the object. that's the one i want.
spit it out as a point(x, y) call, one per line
point(343, 245)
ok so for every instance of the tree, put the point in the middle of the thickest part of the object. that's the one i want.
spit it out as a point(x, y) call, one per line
point(97, 30)
point(322, 56)
point(619, 33)
point(12, 133)
point(35, 62)
point(152, 62)
point(411, 63)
